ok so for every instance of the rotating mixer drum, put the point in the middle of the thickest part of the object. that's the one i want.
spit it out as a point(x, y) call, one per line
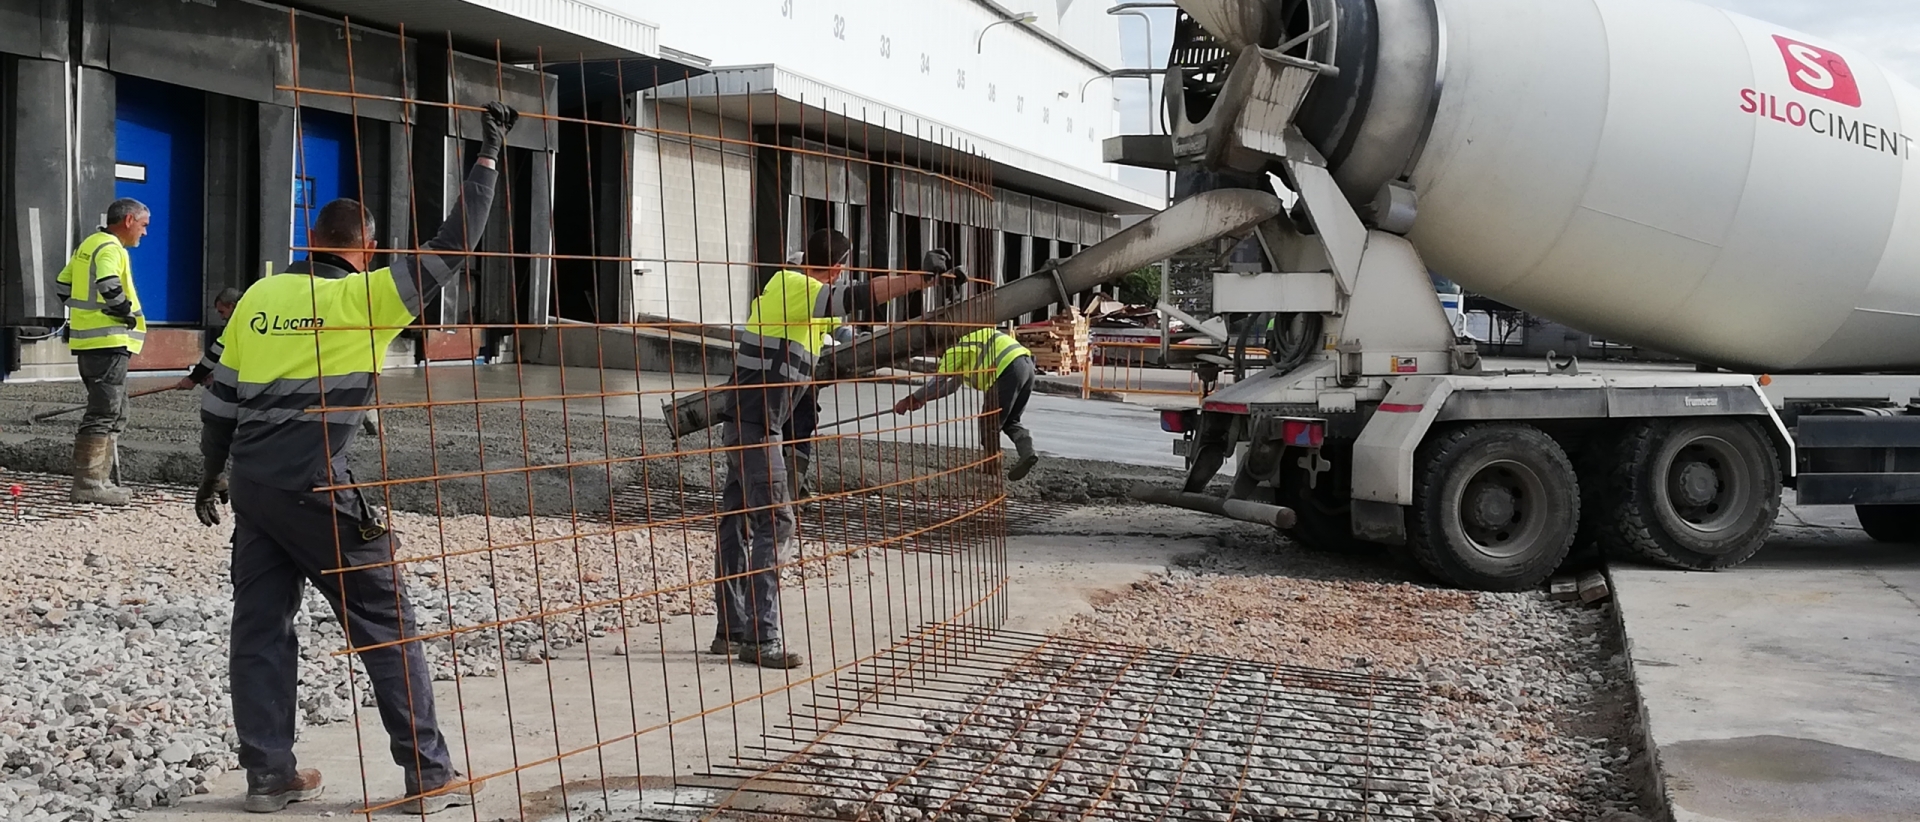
point(1658, 172)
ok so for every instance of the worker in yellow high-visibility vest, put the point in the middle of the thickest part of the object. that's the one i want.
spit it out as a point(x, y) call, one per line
point(786, 329)
point(998, 365)
point(297, 365)
point(105, 328)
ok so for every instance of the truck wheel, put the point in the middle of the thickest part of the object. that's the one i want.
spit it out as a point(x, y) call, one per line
point(1890, 523)
point(1495, 507)
point(1695, 494)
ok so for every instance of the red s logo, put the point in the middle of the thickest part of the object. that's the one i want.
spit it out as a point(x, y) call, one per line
point(1819, 72)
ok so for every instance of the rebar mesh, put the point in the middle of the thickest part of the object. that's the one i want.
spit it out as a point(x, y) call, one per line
point(29, 497)
point(545, 513)
point(1034, 727)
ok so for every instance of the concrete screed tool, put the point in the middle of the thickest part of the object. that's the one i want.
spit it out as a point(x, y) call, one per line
point(60, 412)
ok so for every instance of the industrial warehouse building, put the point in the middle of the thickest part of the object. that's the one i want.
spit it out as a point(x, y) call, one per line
point(212, 112)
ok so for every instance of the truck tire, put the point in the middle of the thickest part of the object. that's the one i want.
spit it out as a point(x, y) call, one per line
point(1890, 523)
point(1495, 507)
point(1700, 495)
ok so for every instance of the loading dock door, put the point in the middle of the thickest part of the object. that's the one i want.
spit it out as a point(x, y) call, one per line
point(325, 168)
point(159, 160)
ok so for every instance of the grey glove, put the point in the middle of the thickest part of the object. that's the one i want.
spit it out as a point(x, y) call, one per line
point(212, 495)
point(498, 120)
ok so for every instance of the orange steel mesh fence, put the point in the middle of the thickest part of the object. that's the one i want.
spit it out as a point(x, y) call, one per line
point(555, 540)
point(558, 496)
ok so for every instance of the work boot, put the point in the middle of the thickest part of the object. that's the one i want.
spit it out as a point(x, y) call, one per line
point(92, 462)
point(1026, 459)
point(726, 646)
point(266, 794)
point(770, 655)
point(453, 792)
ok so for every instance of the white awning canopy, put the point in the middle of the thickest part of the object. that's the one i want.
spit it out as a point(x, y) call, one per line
point(526, 30)
point(770, 95)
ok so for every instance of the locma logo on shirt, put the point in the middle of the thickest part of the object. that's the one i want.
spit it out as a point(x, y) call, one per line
point(276, 324)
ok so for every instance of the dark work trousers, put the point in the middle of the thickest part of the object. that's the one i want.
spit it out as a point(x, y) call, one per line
point(104, 373)
point(756, 522)
point(803, 422)
point(1009, 396)
point(280, 539)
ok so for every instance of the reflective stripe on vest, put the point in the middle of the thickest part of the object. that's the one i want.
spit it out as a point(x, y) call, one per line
point(981, 357)
point(298, 344)
point(88, 290)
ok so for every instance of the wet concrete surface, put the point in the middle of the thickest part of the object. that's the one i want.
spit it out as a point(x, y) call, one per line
point(1784, 779)
point(509, 440)
point(1784, 689)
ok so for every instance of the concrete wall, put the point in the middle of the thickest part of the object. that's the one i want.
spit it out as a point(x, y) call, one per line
point(692, 201)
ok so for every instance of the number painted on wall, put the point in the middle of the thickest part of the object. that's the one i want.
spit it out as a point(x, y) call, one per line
point(1069, 125)
point(926, 63)
point(786, 8)
point(1046, 114)
point(960, 78)
point(1020, 104)
point(993, 92)
point(886, 47)
point(839, 27)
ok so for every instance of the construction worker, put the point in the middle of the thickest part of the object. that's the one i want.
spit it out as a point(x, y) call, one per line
point(993, 362)
point(223, 303)
point(304, 341)
point(105, 328)
point(785, 332)
point(803, 425)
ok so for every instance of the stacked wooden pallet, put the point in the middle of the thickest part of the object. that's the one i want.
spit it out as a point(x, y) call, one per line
point(1060, 345)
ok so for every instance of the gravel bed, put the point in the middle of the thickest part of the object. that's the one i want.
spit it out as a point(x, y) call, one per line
point(113, 641)
point(1113, 733)
point(1528, 702)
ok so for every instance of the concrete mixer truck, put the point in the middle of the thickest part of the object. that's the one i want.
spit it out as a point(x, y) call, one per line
point(1655, 171)
point(1659, 172)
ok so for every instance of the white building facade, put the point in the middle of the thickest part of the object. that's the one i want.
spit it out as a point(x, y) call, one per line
point(1018, 95)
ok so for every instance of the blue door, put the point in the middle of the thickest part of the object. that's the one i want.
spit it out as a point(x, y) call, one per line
point(159, 160)
point(325, 168)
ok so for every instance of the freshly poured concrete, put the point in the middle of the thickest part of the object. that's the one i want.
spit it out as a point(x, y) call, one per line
point(1785, 690)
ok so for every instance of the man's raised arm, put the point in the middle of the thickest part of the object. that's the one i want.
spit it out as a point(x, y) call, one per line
point(426, 273)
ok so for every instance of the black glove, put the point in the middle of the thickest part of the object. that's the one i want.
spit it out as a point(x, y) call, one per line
point(212, 495)
point(498, 119)
point(130, 321)
point(939, 263)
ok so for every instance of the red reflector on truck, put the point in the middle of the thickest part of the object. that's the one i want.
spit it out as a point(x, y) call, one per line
point(1303, 433)
point(1176, 420)
point(1397, 408)
point(1226, 407)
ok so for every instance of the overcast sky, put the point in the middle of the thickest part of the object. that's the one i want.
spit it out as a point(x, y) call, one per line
point(1886, 30)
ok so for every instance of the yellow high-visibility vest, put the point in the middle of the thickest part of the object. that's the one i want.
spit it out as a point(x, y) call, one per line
point(297, 341)
point(786, 309)
point(100, 277)
point(981, 357)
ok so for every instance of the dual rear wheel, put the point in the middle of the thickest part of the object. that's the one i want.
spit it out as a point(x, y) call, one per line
point(1500, 506)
